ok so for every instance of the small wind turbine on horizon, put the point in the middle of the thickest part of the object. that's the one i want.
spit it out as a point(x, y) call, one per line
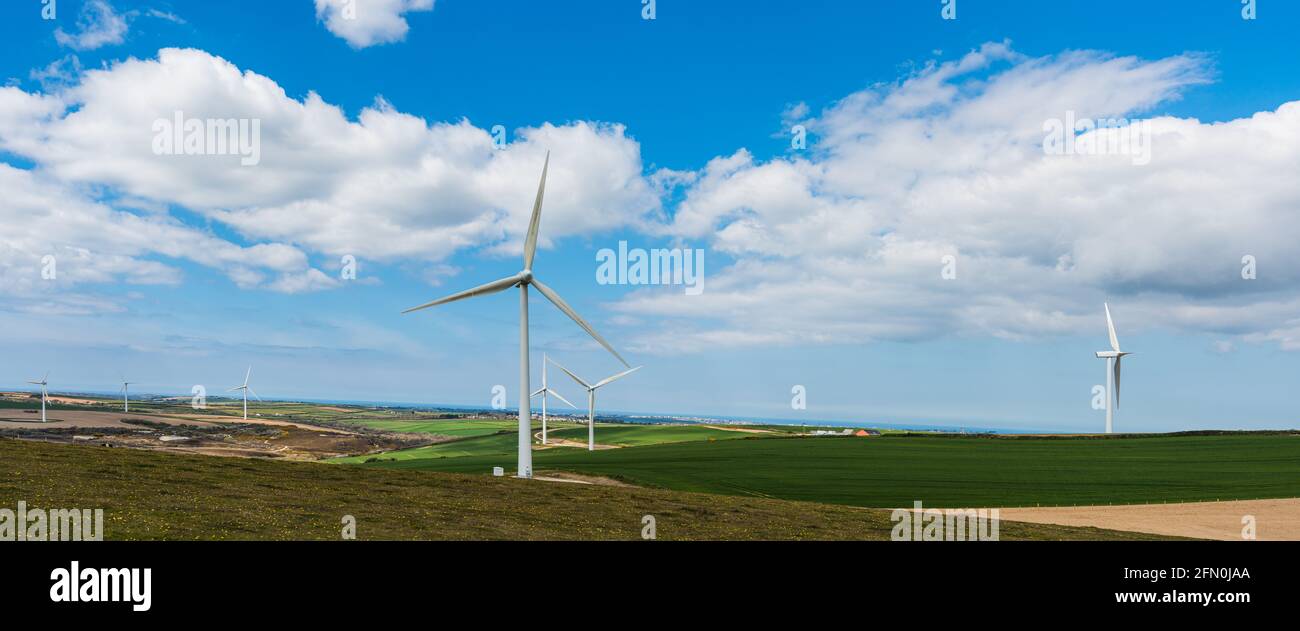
point(1113, 358)
point(544, 391)
point(246, 389)
point(42, 383)
point(126, 396)
point(523, 280)
point(591, 399)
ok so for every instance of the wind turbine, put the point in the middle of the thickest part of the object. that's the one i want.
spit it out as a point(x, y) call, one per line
point(544, 391)
point(42, 383)
point(126, 396)
point(523, 280)
point(1112, 358)
point(591, 399)
point(246, 390)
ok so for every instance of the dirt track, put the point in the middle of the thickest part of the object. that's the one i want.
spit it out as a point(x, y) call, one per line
point(1274, 519)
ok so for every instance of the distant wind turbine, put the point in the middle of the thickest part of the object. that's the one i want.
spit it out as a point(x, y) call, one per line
point(126, 396)
point(544, 391)
point(247, 389)
point(1113, 358)
point(42, 383)
point(591, 399)
point(522, 280)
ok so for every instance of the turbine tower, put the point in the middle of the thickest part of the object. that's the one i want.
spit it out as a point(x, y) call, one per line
point(1112, 358)
point(591, 399)
point(42, 383)
point(523, 280)
point(544, 391)
point(246, 389)
point(126, 395)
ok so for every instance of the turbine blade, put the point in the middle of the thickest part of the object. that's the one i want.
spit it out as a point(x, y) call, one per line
point(564, 306)
point(248, 374)
point(530, 242)
point(1117, 360)
point(557, 395)
point(482, 290)
point(1110, 327)
point(254, 393)
point(616, 377)
point(235, 389)
point(575, 377)
point(539, 391)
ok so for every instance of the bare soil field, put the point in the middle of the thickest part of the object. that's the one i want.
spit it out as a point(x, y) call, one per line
point(200, 434)
point(1274, 519)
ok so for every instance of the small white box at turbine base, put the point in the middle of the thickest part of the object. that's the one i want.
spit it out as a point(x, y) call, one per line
point(498, 471)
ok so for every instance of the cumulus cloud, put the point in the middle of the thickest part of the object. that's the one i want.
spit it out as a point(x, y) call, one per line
point(50, 227)
point(846, 242)
point(385, 186)
point(365, 23)
point(842, 243)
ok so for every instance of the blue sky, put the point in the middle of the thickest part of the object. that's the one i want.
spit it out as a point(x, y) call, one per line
point(666, 133)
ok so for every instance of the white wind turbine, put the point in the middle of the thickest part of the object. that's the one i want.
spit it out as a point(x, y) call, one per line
point(591, 399)
point(246, 389)
point(126, 395)
point(523, 280)
point(1112, 358)
point(42, 383)
point(544, 391)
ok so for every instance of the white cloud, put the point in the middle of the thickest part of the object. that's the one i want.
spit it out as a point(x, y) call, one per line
point(844, 243)
point(98, 25)
point(90, 242)
point(364, 23)
point(57, 75)
point(385, 186)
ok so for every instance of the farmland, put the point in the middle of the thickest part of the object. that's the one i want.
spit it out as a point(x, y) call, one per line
point(940, 471)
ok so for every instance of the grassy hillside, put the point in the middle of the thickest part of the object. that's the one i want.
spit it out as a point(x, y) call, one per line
point(149, 495)
point(943, 471)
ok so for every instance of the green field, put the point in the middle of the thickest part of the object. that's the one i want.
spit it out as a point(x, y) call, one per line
point(160, 496)
point(457, 427)
point(499, 438)
point(641, 435)
point(941, 471)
